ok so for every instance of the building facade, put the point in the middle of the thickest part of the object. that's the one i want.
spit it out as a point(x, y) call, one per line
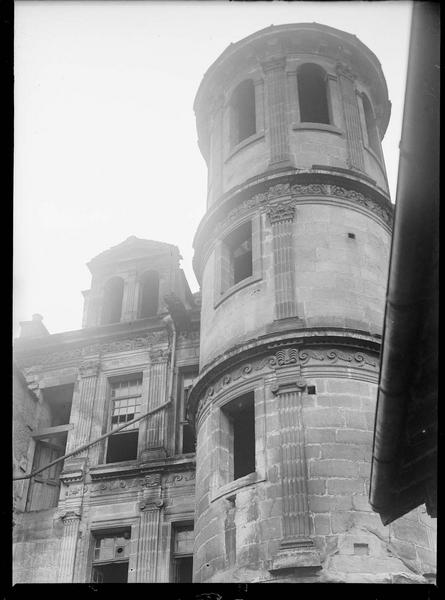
point(270, 373)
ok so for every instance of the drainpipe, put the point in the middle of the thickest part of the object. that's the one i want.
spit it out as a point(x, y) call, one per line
point(170, 323)
point(413, 245)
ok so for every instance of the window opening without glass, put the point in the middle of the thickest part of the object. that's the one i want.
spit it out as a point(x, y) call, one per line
point(243, 123)
point(237, 263)
point(239, 423)
point(182, 553)
point(126, 402)
point(112, 301)
point(312, 94)
point(110, 557)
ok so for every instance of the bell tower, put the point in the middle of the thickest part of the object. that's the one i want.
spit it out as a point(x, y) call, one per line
point(292, 258)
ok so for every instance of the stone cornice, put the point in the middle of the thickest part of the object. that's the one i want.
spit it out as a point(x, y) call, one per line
point(303, 348)
point(311, 185)
point(66, 354)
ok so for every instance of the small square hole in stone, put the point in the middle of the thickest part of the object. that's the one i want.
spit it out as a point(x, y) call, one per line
point(311, 389)
point(361, 549)
point(351, 236)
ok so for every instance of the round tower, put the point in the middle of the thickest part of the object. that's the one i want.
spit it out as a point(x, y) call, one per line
point(292, 259)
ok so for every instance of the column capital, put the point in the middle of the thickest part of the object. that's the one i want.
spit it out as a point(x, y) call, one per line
point(342, 68)
point(70, 517)
point(150, 505)
point(284, 211)
point(288, 384)
point(89, 368)
point(274, 62)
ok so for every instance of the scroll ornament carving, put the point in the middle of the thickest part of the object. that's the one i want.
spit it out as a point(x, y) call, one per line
point(110, 485)
point(283, 190)
point(287, 356)
point(180, 477)
point(293, 356)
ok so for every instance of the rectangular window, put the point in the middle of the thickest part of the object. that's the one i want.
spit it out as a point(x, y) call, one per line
point(238, 421)
point(182, 553)
point(111, 552)
point(50, 438)
point(125, 396)
point(187, 438)
point(237, 263)
point(44, 488)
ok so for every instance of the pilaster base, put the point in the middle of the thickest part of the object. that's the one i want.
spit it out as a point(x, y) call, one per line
point(150, 454)
point(296, 554)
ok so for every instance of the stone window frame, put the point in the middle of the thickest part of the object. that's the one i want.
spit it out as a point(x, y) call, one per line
point(110, 526)
point(177, 521)
point(221, 295)
point(221, 489)
point(106, 375)
point(108, 295)
point(183, 371)
point(294, 102)
point(230, 149)
point(366, 143)
point(327, 91)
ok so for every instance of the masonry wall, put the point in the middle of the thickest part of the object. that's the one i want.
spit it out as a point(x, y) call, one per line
point(339, 281)
point(239, 530)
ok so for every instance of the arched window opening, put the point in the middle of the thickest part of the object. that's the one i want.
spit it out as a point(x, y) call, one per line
point(312, 94)
point(149, 295)
point(371, 127)
point(112, 303)
point(243, 122)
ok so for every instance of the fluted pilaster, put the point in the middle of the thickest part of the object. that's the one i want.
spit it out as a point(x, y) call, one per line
point(297, 547)
point(276, 102)
point(83, 406)
point(71, 521)
point(150, 507)
point(155, 428)
point(281, 218)
point(352, 117)
point(130, 298)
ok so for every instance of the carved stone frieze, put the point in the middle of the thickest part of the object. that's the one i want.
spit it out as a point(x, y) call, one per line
point(288, 357)
point(75, 354)
point(356, 359)
point(180, 478)
point(151, 480)
point(288, 191)
point(118, 484)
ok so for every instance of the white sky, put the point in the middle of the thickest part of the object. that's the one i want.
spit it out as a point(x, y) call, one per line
point(105, 137)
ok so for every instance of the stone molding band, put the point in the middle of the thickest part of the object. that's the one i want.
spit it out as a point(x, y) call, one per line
point(271, 361)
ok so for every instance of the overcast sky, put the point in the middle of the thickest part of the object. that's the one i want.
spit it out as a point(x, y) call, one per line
point(105, 137)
